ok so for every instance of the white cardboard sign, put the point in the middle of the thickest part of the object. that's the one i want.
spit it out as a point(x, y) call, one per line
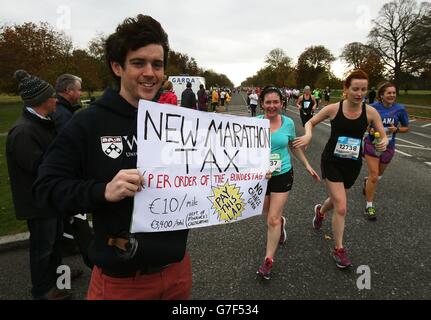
point(200, 168)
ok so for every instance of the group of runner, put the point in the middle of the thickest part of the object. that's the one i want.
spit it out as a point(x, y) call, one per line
point(306, 106)
point(219, 97)
point(341, 160)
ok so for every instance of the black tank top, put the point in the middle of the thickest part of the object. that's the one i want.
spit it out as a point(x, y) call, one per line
point(307, 105)
point(343, 127)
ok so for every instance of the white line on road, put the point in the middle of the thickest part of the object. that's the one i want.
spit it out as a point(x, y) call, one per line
point(245, 102)
point(428, 163)
point(414, 147)
point(415, 144)
point(403, 153)
point(426, 125)
point(422, 135)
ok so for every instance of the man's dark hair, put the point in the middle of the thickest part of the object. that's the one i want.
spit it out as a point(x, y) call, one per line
point(133, 34)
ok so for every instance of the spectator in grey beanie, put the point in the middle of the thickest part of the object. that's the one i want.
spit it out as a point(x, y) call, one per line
point(33, 91)
point(26, 144)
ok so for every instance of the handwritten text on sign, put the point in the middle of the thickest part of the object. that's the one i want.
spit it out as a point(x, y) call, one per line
point(200, 169)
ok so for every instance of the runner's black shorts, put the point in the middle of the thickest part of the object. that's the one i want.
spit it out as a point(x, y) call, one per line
point(336, 171)
point(281, 183)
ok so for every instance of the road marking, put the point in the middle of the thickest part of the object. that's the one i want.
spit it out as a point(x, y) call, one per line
point(293, 111)
point(325, 123)
point(422, 135)
point(245, 102)
point(415, 144)
point(403, 153)
point(426, 125)
point(414, 147)
point(428, 163)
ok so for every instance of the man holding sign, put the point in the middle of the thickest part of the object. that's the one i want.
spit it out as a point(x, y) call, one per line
point(91, 167)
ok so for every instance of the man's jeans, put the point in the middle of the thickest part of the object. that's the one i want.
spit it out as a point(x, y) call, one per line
point(45, 253)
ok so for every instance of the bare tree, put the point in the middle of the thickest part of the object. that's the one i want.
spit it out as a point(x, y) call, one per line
point(419, 47)
point(355, 54)
point(313, 64)
point(277, 58)
point(391, 34)
point(279, 65)
point(96, 46)
point(360, 56)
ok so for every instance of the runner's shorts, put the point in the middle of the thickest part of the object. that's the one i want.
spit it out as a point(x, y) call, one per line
point(281, 183)
point(385, 157)
point(337, 171)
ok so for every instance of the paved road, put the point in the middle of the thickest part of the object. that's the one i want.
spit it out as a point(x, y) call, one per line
point(396, 247)
point(418, 107)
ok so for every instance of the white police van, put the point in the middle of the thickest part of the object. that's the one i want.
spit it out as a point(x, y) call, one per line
point(180, 82)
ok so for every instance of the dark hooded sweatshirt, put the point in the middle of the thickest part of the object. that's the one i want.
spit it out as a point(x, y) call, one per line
point(26, 143)
point(95, 145)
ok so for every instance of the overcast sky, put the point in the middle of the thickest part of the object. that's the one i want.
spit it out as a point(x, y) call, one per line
point(230, 37)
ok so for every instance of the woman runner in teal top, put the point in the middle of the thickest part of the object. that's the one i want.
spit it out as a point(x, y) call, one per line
point(281, 177)
point(279, 141)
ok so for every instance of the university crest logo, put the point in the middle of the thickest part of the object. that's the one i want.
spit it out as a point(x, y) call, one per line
point(112, 146)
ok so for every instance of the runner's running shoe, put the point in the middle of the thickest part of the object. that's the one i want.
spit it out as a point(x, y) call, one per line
point(341, 259)
point(265, 269)
point(283, 231)
point(370, 213)
point(318, 217)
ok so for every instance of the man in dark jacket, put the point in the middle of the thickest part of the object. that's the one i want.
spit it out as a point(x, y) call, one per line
point(188, 97)
point(26, 144)
point(372, 96)
point(77, 233)
point(68, 87)
point(91, 167)
point(202, 98)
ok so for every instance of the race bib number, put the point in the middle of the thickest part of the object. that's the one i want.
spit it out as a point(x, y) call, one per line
point(275, 163)
point(348, 148)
